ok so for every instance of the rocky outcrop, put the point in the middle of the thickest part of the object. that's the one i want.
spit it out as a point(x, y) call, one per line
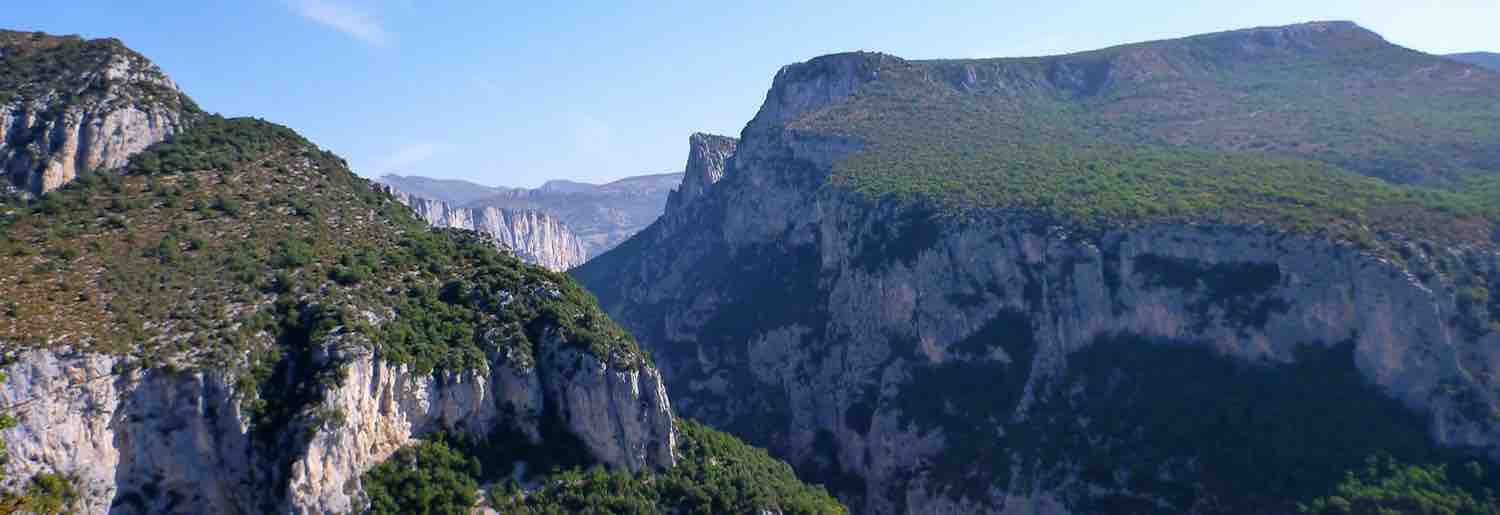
point(707, 157)
point(836, 330)
point(164, 441)
point(535, 237)
point(108, 103)
point(602, 215)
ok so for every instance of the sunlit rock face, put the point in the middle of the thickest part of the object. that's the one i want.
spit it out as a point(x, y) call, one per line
point(535, 237)
point(167, 441)
point(105, 105)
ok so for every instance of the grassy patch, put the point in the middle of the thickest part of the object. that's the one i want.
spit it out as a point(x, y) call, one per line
point(1353, 137)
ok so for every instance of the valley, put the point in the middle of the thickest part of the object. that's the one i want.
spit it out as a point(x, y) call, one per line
point(1253, 271)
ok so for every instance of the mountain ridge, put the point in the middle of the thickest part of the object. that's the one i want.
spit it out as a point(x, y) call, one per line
point(1490, 60)
point(535, 237)
point(601, 215)
point(1074, 136)
point(70, 106)
point(942, 286)
point(320, 350)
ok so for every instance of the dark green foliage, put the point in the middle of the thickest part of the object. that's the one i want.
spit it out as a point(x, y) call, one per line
point(1387, 487)
point(217, 143)
point(293, 253)
point(228, 206)
point(44, 494)
point(715, 473)
point(447, 288)
point(425, 479)
point(432, 333)
point(1190, 428)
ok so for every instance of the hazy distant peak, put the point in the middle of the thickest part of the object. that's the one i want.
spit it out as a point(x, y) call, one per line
point(1490, 60)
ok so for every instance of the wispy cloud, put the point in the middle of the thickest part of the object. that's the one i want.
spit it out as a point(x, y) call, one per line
point(404, 158)
point(344, 17)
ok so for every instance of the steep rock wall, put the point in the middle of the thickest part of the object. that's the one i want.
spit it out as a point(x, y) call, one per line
point(51, 132)
point(535, 237)
point(164, 441)
point(827, 326)
point(708, 155)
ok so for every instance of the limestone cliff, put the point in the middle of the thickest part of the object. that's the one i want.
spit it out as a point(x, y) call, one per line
point(602, 215)
point(919, 361)
point(165, 441)
point(289, 330)
point(244, 395)
point(70, 106)
point(535, 237)
point(707, 157)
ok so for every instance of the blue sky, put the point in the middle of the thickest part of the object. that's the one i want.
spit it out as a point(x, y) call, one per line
point(516, 93)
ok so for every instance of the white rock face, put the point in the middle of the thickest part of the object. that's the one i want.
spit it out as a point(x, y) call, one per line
point(535, 237)
point(831, 315)
point(708, 156)
point(623, 416)
point(154, 441)
point(43, 147)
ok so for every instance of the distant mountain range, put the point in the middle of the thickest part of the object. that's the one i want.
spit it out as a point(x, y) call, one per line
point(535, 237)
point(1489, 60)
point(602, 215)
point(452, 191)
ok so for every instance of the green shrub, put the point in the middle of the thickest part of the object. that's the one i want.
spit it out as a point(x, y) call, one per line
point(228, 206)
point(715, 473)
point(428, 478)
point(293, 253)
point(1388, 487)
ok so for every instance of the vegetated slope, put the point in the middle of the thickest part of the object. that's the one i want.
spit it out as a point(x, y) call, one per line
point(716, 473)
point(603, 215)
point(1207, 275)
point(1489, 60)
point(70, 106)
point(240, 288)
point(1282, 125)
point(235, 215)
